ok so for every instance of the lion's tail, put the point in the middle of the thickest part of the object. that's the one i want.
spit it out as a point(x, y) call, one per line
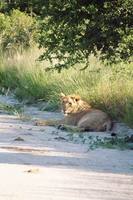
point(111, 127)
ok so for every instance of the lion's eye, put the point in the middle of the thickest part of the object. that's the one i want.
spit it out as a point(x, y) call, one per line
point(70, 103)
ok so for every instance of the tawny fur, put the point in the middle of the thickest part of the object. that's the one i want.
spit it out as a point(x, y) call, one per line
point(79, 114)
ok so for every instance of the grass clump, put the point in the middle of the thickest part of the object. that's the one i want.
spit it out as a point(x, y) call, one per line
point(15, 110)
point(105, 87)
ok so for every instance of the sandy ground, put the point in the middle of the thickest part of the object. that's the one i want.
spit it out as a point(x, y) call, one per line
point(37, 164)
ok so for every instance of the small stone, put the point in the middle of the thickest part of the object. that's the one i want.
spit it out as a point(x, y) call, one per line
point(33, 170)
point(19, 139)
point(113, 134)
point(29, 129)
point(42, 129)
point(60, 138)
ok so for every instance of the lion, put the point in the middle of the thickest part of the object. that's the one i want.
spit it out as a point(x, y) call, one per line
point(79, 115)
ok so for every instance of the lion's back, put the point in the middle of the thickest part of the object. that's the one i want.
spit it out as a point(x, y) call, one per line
point(92, 119)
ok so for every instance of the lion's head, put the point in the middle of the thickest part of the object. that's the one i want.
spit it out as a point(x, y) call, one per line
point(73, 104)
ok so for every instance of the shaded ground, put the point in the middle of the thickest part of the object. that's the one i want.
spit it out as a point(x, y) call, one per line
point(42, 163)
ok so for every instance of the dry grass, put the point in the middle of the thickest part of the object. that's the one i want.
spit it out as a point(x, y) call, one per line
point(106, 87)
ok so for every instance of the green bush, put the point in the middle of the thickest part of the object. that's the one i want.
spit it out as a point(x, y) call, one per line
point(17, 31)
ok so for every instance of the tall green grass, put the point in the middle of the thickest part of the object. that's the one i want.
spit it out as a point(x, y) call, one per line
point(109, 88)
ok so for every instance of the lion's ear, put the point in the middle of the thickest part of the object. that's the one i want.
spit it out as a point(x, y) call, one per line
point(77, 98)
point(62, 95)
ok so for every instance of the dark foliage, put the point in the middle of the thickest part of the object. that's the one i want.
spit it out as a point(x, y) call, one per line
point(71, 30)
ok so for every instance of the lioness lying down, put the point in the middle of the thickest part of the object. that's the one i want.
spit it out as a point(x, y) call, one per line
point(80, 115)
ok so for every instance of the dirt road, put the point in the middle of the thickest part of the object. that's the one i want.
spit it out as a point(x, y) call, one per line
point(36, 163)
